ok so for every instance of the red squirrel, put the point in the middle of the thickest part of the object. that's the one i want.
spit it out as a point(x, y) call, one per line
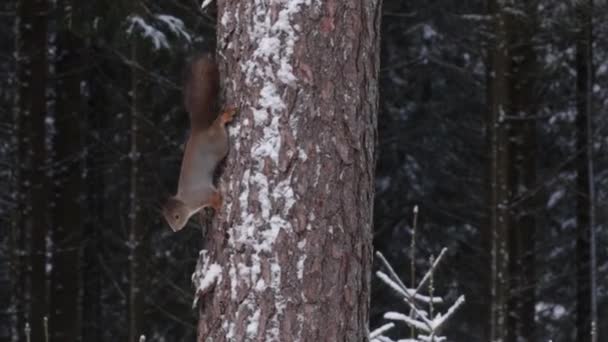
point(207, 145)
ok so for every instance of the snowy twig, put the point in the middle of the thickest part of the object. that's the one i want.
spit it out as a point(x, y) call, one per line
point(381, 330)
point(427, 323)
point(431, 270)
point(390, 269)
point(396, 316)
point(403, 291)
point(440, 320)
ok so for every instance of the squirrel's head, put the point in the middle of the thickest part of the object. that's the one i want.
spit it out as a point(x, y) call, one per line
point(176, 213)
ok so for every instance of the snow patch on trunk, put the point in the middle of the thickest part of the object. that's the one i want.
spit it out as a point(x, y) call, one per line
point(205, 276)
point(266, 199)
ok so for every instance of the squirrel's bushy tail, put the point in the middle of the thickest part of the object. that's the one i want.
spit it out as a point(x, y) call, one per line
point(201, 90)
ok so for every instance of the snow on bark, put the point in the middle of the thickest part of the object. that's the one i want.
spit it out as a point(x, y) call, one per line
point(205, 276)
point(269, 64)
point(295, 256)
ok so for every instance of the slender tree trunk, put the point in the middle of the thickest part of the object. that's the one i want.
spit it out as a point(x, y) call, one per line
point(586, 308)
point(19, 195)
point(292, 243)
point(92, 323)
point(96, 217)
point(33, 204)
point(524, 71)
point(523, 239)
point(67, 213)
point(136, 227)
point(499, 179)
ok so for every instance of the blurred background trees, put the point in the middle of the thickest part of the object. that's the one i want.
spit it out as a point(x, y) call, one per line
point(493, 120)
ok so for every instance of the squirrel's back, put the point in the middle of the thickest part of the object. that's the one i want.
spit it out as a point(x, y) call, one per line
point(201, 90)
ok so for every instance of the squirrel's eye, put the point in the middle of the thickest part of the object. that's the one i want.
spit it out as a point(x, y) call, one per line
point(177, 217)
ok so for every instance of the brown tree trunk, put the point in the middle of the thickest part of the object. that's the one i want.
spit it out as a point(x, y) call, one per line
point(586, 310)
point(69, 151)
point(292, 243)
point(499, 166)
point(33, 184)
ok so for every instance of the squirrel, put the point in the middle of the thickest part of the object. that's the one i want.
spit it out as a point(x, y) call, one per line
point(206, 146)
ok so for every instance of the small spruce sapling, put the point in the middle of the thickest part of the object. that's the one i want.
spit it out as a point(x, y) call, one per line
point(425, 322)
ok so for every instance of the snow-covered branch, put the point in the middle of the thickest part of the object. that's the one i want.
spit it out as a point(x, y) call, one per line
point(381, 330)
point(428, 328)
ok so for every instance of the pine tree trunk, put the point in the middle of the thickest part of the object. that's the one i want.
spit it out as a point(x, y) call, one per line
point(586, 310)
point(499, 176)
point(65, 320)
point(293, 239)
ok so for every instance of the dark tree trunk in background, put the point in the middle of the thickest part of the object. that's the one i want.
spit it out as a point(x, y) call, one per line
point(293, 239)
point(65, 319)
point(92, 322)
point(499, 176)
point(512, 128)
point(586, 316)
point(524, 204)
point(19, 193)
point(136, 225)
point(33, 173)
point(96, 187)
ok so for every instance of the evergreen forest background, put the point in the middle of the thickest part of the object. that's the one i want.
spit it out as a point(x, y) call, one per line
point(493, 120)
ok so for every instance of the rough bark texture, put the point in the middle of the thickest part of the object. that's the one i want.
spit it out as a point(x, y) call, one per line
point(293, 239)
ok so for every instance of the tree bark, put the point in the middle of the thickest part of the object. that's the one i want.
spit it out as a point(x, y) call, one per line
point(586, 307)
point(65, 320)
point(293, 239)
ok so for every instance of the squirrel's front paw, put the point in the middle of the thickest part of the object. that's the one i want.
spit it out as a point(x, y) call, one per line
point(228, 114)
point(215, 201)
